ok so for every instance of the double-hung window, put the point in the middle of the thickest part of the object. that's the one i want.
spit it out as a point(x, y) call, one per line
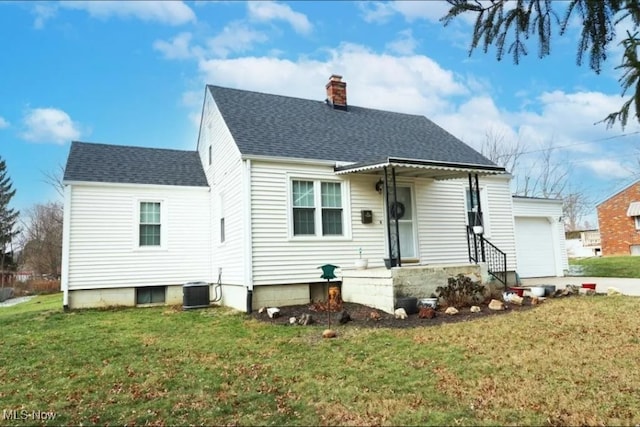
point(150, 225)
point(317, 208)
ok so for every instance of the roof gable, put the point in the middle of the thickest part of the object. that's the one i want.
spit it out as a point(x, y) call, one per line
point(133, 165)
point(281, 126)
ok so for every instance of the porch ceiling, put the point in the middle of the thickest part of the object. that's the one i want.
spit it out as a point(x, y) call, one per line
point(422, 169)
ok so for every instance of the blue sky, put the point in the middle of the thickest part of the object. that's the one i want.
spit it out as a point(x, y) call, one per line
point(133, 73)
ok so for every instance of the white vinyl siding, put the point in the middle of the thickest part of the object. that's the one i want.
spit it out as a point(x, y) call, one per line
point(442, 219)
point(224, 176)
point(103, 247)
point(278, 256)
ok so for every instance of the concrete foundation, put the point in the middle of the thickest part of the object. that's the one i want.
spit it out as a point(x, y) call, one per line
point(379, 287)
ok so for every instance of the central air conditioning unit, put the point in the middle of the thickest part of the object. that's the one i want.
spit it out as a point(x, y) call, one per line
point(195, 295)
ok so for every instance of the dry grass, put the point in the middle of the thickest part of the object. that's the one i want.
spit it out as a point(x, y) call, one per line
point(569, 361)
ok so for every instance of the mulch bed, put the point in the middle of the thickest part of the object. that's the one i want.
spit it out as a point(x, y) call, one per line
point(361, 315)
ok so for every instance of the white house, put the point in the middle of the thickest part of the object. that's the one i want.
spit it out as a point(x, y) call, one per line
point(277, 187)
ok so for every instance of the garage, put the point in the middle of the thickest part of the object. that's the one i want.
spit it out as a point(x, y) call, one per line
point(539, 233)
point(534, 247)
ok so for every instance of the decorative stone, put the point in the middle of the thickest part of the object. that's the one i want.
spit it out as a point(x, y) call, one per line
point(451, 311)
point(536, 300)
point(305, 319)
point(273, 312)
point(612, 292)
point(400, 313)
point(343, 317)
point(475, 309)
point(292, 320)
point(426, 313)
point(496, 305)
point(517, 300)
point(328, 333)
point(374, 315)
point(262, 310)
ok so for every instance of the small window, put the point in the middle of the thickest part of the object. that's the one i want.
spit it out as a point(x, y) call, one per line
point(150, 295)
point(303, 208)
point(210, 155)
point(222, 237)
point(150, 224)
point(317, 208)
point(331, 209)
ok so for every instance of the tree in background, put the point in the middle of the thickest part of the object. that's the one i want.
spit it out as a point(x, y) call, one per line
point(8, 219)
point(41, 238)
point(543, 177)
point(508, 25)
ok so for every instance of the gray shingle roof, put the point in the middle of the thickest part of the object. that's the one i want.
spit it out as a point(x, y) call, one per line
point(281, 126)
point(133, 165)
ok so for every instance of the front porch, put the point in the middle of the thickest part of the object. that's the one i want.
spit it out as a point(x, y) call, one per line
point(379, 287)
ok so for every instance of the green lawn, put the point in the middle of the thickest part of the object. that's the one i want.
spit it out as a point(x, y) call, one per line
point(612, 266)
point(570, 361)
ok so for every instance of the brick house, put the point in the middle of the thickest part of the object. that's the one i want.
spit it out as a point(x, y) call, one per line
point(619, 222)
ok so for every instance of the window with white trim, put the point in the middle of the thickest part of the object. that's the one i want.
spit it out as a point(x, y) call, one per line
point(317, 208)
point(637, 218)
point(150, 225)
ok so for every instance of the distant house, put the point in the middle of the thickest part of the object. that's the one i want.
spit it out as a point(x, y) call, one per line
point(583, 243)
point(619, 222)
point(277, 187)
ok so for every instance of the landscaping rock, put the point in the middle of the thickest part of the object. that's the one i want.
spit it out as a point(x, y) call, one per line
point(292, 320)
point(328, 333)
point(400, 313)
point(426, 313)
point(343, 317)
point(496, 305)
point(536, 300)
point(611, 292)
point(451, 311)
point(273, 312)
point(374, 315)
point(305, 319)
point(475, 309)
point(515, 299)
point(262, 310)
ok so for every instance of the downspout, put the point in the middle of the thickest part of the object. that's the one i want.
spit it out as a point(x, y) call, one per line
point(248, 247)
point(386, 210)
point(66, 238)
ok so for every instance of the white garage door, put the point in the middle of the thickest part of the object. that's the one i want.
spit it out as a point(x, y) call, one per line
point(534, 247)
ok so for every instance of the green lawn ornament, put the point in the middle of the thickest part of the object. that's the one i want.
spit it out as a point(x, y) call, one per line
point(328, 273)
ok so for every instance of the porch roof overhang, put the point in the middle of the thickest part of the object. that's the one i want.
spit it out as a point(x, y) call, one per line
point(421, 168)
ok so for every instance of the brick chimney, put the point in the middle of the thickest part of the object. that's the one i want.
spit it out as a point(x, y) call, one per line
point(337, 92)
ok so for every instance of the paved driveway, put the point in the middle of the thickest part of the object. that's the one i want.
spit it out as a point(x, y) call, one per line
point(626, 286)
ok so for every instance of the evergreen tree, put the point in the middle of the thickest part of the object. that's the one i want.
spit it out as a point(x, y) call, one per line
point(8, 220)
point(508, 25)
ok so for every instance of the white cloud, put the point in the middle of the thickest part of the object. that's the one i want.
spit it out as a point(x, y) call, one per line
point(43, 13)
point(3, 123)
point(166, 12)
point(405, 44)
point(49, 125)
point(178, 48)
point(610, 169)
point(413, 84)
point(376, 11)
point(380, 12)
point(235, 37)
point(271, 11)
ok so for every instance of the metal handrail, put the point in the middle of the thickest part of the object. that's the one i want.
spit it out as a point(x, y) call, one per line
point(482, 250)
